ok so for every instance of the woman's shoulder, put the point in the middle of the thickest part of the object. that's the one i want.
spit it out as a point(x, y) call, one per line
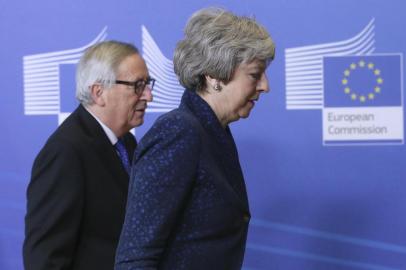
point(178, 119)
point(174, 124)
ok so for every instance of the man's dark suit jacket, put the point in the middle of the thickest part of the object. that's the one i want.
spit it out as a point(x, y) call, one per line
point(76, 198)
point(187, 206)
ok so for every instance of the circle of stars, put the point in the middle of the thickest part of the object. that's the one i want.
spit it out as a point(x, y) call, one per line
point(362, 97)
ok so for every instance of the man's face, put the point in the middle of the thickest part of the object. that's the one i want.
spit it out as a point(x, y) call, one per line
point(124, 108)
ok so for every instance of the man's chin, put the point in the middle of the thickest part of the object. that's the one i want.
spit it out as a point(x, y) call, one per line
point(137, 122)
point(245, 116)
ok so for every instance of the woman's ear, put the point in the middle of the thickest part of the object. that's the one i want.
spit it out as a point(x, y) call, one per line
point(213, 83)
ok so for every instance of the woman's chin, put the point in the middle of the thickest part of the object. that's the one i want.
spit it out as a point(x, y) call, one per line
point(245, 113)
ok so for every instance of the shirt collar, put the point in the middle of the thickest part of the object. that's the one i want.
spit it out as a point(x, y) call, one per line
point(110, 134)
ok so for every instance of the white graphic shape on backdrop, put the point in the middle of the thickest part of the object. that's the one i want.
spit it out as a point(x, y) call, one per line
point(304, 67)
point(42, 89)
point(167, 90)
point(42, 79)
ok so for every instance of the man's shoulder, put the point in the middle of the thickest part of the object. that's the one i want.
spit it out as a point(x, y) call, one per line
point(72, 132)
point(70, 129)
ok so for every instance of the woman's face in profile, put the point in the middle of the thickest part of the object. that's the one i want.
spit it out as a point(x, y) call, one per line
point(243, 91)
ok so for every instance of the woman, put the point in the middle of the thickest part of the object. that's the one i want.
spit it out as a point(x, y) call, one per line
point(187, 206)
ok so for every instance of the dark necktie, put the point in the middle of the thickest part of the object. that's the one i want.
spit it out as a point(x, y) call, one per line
point(122, 153)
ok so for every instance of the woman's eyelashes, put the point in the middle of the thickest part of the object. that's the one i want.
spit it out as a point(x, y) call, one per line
point(256, 76)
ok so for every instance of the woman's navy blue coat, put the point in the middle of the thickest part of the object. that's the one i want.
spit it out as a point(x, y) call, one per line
point(187, 206)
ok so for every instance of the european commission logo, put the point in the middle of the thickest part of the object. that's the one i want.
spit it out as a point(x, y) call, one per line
point(359, 92)
point(49, 79)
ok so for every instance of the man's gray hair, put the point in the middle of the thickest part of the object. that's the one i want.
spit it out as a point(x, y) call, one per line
point(99, 64)
point(215, 43)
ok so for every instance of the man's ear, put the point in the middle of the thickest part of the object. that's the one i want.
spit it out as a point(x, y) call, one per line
point(96, 92)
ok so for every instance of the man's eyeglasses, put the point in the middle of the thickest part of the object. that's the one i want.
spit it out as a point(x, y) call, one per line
point(139, 85)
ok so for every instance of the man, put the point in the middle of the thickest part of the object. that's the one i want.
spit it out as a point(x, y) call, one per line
point(79, 182)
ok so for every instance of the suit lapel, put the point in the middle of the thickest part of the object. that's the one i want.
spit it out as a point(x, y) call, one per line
point(226, 156)
point(103, 147)
point(232, 165)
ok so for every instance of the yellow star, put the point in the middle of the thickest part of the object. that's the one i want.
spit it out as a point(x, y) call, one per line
point(377, 72)
point(353, 96)
point(344, 81)
point(362, 98)
point(377, 89)
point(353, 66)
point(346, 72)
point(371, 95)
point(371, 65)
point(347, 90)
point(361, 63)
point(379, 80)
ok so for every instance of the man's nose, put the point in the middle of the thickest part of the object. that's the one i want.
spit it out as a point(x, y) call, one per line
point(147, 94)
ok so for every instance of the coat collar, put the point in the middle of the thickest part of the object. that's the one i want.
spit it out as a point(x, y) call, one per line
point(224, 146)
point(207, 118)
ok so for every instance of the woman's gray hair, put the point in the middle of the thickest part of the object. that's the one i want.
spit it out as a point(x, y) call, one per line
point(99, 64)
point(215, 43)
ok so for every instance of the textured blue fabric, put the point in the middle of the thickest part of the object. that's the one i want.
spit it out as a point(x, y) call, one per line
point(123, 154)
point(187, 206)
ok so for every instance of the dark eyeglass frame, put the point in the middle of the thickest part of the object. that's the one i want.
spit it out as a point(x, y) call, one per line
point(139, 85)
